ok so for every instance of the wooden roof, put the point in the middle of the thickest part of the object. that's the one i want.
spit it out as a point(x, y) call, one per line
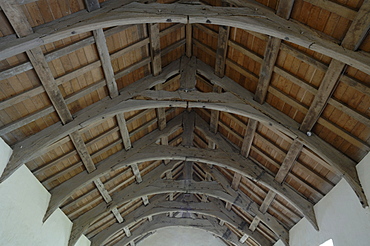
point(240, 115)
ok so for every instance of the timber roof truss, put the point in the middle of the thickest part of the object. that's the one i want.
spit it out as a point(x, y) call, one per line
point(138, 115)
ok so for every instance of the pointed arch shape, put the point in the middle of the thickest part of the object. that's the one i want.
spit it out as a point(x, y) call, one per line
point(160, 206)
point(209, 225)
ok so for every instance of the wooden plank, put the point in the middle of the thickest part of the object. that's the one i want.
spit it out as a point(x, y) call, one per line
point(47, 110)
point(145, 61)
point(236, 181)
point(254, 56)
point(78, 72)
point(285, 8)
point(173, 46)
point(129, 48)
point(335, 8)
point(289, 160)
point(100, 186)
point(188, 122)
point(188, 170)
point(221, 52)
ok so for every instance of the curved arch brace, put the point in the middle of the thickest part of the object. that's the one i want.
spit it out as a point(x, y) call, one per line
point(209, 225)
point(120, 104)
point(159, 206)
point(148, 187)
point(114, 13)
point(232, 161)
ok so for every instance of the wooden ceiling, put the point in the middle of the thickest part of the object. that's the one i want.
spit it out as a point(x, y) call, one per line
point(234, 117)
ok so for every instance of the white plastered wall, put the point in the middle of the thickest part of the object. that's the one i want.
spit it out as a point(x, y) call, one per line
point(23, 202)
point(340, 216)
